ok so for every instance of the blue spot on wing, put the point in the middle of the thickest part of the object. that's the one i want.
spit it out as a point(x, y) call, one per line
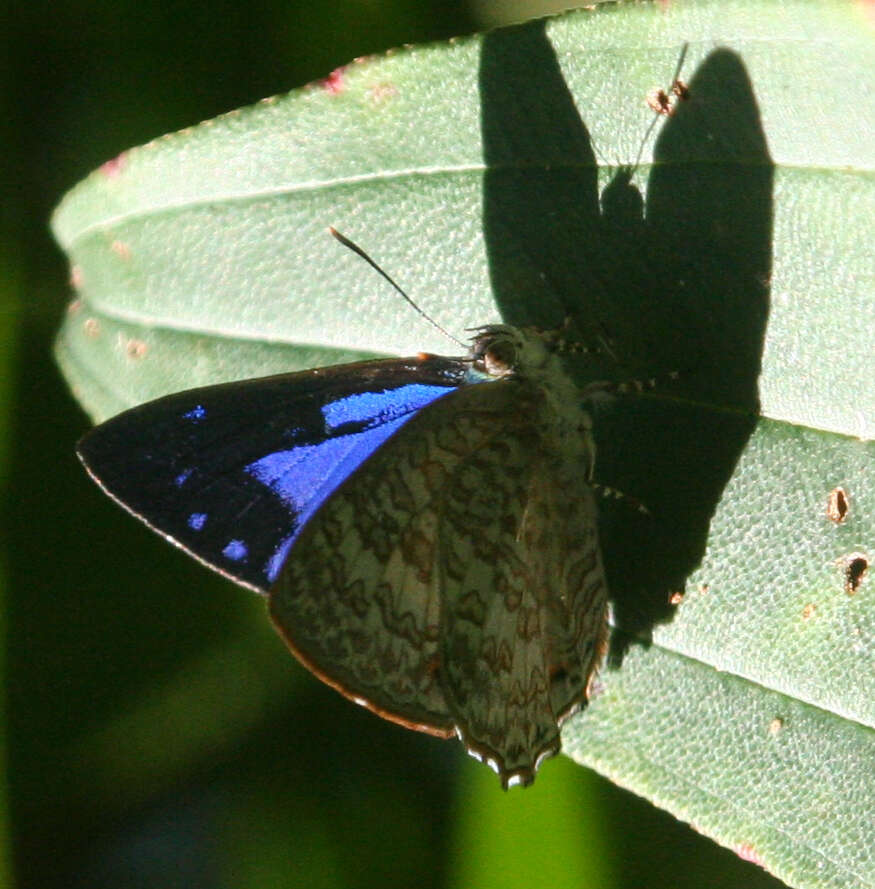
point(236, 551)
point(198, 412)
point(197, 520)
point(183, 477)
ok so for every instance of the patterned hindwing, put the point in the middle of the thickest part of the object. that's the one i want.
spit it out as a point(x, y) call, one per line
point(359, 597)
point(524, 596)
point(450, 585)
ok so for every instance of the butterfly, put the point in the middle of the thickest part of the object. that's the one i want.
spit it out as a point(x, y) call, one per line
point(425, 528)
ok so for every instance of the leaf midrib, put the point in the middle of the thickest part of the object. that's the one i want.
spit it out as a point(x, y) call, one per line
point(316, 185)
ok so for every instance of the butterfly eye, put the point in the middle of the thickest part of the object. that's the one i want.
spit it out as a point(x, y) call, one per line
point(499, 359)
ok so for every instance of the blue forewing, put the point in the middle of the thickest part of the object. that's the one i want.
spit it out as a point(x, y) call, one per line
point(231, 473)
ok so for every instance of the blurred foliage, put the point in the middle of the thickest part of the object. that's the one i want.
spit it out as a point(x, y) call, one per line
point(117, 645)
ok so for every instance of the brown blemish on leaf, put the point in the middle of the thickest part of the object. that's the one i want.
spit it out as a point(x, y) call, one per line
point(837, 505)
point(681, 90)
point(808, 611)
point(75, 276)
point(661, 102)
point(74, 307)
point(658, 101)
point(676, 598)
point(91, 327)
point(856, 568)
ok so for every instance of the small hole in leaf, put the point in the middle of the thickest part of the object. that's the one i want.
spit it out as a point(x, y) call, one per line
point(837, 506)
point(856, 567)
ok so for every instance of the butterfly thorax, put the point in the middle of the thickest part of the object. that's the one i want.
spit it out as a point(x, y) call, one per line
point(501, 352)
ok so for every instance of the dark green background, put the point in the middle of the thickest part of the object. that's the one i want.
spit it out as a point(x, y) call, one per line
point(158, 734)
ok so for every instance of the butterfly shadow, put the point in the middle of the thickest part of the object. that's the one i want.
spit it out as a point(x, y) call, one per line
point(674, 281)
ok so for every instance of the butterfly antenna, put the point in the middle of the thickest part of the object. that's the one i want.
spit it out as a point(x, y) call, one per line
point(675, 88)
point(356, 249)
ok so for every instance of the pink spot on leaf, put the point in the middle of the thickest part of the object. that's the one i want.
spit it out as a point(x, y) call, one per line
point(748, 853)
point(334, 82)
point(112, 168)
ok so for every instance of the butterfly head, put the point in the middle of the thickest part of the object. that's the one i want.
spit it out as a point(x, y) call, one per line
point(500, 350)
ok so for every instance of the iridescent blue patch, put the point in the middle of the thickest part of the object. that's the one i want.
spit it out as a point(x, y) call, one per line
point(197, 520)
point(236, 550)
point(196, 413)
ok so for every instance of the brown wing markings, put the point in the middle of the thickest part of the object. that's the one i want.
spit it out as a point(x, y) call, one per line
point(515, 670)
point(358, 599)
point(494, 635)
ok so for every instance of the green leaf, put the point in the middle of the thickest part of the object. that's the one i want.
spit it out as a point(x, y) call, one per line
point(490, 177)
